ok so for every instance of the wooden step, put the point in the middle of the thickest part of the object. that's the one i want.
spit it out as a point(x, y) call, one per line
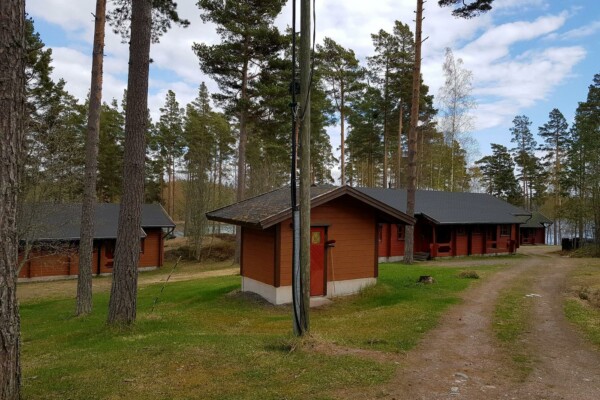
point(421, 256)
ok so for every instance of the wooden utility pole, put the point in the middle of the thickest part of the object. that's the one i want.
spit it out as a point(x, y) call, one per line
point(412, 137)
point(86, 242)
point(305, 72)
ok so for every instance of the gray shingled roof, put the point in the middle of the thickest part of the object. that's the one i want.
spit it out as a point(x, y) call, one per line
point(452, 207)
point(537, 220)
point(46, 221)
point(272, 207)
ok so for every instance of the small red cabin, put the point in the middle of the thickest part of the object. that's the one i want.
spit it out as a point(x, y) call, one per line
point(533, 231)
point(50, 243)
point(344, 235)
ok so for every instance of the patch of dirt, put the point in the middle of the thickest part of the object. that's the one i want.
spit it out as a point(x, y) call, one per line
point(462, 358)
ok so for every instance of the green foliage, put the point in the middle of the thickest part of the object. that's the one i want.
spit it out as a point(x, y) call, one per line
point(526, 160)
point(498, 175)
point(584, 164)
point(582, 306)
point(110, 153)
point(466, 9)
point(163, 13)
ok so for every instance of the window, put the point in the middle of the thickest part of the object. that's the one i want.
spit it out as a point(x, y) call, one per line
point(380, 233)
point(142, 245)
point(476, 230)
point(504, 230)
point(443, 234)
point(400, 231)
point(461, 231)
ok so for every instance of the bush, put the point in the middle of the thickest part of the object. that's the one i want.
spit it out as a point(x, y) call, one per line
point(214, 248)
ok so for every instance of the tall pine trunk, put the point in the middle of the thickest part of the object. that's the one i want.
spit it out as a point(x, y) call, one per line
point(241, 170)
point(12, 118)
point(342, 156)
point(123, 295)
point(399, 150)
point(412, 138)
point(86, 242)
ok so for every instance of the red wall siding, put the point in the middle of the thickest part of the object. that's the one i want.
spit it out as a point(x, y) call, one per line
point(477, 246)
point(461, 245)
point(258, 255)
point(396, 245)
point(540, 236)
point(47, 263)
point(153, 243)
point(353, 227)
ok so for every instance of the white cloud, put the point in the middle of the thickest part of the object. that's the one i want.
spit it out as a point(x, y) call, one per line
point(577, 33)
point(513, 67)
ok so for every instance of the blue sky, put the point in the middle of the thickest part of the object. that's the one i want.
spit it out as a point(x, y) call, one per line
point(527, 56)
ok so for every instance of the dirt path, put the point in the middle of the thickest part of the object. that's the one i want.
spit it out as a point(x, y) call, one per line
point(566, 367)
point(461, 358)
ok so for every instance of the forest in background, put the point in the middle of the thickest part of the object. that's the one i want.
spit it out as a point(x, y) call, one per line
point(193, 150)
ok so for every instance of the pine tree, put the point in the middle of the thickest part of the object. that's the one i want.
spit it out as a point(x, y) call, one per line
point(382, 67)
point(498, 175)
point(365, 148)
point(248, 40)
point(209, 142)
point(147, 18)
point(524, 155)
point(169, 141)
point(342, 74)
point(86, 242)
point(584, 162)
point(110, 153)
point(12, 122)
point(555, 134)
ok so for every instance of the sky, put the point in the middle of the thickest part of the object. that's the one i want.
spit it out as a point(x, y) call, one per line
point(527, 56)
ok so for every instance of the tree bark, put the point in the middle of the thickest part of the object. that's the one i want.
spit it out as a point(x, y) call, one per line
point(385, 130)
point(86, 242)
point(305, 50)
point(342, 156)
point(241, 170)
point(412, 137)
point(123, 295)
point(399, 151)
point(12, 118)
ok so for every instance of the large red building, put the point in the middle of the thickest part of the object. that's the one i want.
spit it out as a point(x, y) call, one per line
point(450, 224)
point(49, 245)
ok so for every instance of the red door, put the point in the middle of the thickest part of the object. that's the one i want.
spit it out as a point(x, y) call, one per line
point(317, 261)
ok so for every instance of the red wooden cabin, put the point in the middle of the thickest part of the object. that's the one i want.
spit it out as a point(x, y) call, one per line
point(450, 224)
point(344, 235)
point(52, 239)
point(533, 231)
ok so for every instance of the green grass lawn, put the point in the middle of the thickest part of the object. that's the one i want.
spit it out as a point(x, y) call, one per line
point(205, 340)
point(512, 320)
point(582, 307)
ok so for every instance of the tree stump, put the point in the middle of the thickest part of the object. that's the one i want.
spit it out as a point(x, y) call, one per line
point(426, 279)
